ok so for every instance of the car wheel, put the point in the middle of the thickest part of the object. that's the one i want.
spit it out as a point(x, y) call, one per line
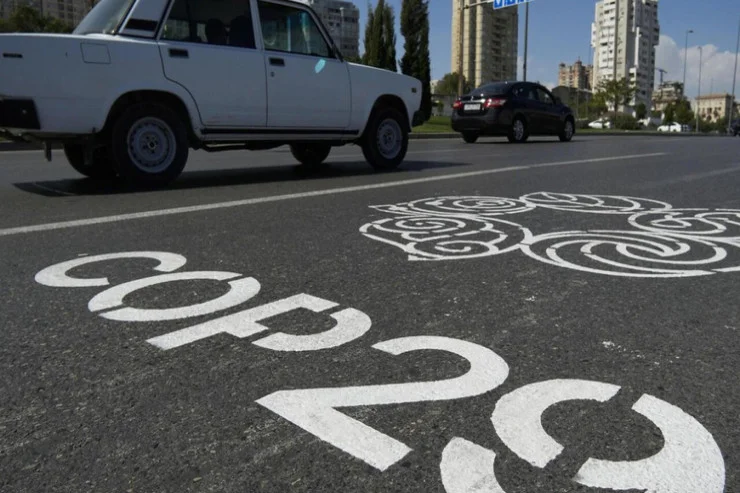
point(310, 154)
point(470, 137)
point(150, 145)
point(518, 130)
point(386, 139)
point(102, 164)
point(568, 130)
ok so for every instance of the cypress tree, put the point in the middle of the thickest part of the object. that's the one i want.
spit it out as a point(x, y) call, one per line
point(380, 37)
point(416, 60)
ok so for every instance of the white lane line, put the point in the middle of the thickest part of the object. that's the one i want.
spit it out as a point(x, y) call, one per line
point(292, 196)
point(53, 190)
point(690, 177)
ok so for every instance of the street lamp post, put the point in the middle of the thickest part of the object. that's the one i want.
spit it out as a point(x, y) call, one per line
point(616, 48)
point(699, 92)
point(734, 79)
point(685, 53)
point(526, 39)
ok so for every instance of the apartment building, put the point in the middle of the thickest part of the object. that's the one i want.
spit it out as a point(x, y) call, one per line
point(490, 43)
point(68, 11)
point(665, 94)
point(713, 107)
point(633, 56)
point(342, 19)
point(577, 76)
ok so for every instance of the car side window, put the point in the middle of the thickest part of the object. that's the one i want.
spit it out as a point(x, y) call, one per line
point(211, 22)
point(544, 96)
point(292, 30)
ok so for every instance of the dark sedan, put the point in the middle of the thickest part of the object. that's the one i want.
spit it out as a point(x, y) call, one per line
point(512, 109)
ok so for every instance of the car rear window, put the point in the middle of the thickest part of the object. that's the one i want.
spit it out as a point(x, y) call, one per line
point(494, 89)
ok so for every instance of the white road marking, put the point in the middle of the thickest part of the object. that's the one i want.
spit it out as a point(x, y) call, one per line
point(468, 468)
point(53, 190)
point(56, 275)
point(300, 195)
point(690, 460)
point(315, 410)
point(351, 324)
point(517, 417)
point(241, 290)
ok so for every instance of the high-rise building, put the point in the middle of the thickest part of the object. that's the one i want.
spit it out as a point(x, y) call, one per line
point(68, 11)
point(638, 34)
point(342, 19)
point(577, 75)
point(490, 43)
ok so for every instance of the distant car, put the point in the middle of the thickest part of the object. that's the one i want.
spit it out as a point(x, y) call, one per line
point(600, 123)
point(735, 128)
point(512, 109)
point(674, 127)
point(141, 82)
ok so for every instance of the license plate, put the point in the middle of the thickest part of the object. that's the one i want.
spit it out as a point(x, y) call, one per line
point(472, 107)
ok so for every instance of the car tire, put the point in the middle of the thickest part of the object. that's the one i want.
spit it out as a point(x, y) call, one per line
point(569, 129)
point(312, 155)
point(470, 137)
point(386, 139)
point(149, 144)
point(518, 132)
point(102, 165)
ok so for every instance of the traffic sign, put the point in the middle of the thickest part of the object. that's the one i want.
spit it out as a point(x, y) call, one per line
point(500, 4)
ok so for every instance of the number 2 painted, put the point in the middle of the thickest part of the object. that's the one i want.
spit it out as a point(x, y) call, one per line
point(314, 410)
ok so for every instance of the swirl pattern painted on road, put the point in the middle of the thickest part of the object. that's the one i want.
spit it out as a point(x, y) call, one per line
point(665, 243)
point(445, 238)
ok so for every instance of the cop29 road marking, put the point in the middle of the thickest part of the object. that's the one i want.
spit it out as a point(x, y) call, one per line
point(292, 196)
point(689, 461)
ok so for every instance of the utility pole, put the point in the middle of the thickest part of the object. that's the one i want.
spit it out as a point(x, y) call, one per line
point(616, 47)
point(460, 59)
point(699, 93)
point(526, 38)
point(734, 79)
point(685, 54)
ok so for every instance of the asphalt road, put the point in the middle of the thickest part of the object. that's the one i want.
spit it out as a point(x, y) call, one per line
point(544, 317)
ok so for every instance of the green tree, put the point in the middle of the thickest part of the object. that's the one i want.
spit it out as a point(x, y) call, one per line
point(380, 37)
point(669, 114)
point(26, 19)
point(640, 111)
point(616, 92)
point(447, 86)
point(416, 61)
point(684, 114)
point(596, 105)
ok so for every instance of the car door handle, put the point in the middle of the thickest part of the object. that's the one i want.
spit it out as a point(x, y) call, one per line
point(179, 53)
point(279, 62)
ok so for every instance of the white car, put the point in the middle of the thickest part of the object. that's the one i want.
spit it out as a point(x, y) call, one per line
point(600, 124)
point(141, 82)
point(674, 127)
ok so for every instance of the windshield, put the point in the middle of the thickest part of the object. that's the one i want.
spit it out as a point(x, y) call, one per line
point(104, 18)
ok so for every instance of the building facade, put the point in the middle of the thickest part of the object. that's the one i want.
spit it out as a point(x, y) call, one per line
point(342, 19)
point(68, 11)
point(713, 107)
point(490, 43)
point(633, 57)
point(665, 94)
point(577, 75)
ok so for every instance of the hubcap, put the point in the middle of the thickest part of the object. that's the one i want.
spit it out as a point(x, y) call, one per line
point(390, 138)
point(518, 130)
point(151, 145)
point(568, 130)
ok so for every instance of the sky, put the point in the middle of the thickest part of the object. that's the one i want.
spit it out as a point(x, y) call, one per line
point(569, 38)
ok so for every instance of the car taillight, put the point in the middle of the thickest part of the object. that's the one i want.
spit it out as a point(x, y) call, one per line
point(457, 105)
point(494, 102)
